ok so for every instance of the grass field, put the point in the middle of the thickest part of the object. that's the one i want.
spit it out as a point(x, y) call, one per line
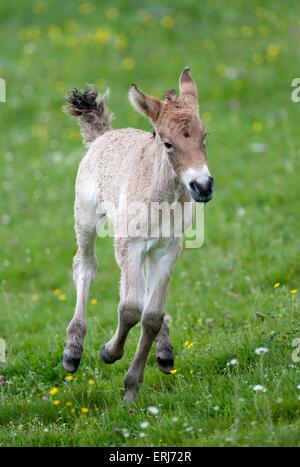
point(244, 57)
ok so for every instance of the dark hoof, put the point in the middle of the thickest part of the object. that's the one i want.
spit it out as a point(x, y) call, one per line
point(71, 362)
point(165, 365)
point(165, 359)
point(107, 357)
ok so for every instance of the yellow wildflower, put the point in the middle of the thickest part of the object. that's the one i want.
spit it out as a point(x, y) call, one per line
point(56, 402)
point(56, 291)
point(84, 410)
point(257, 127)
point(40, 7)
point(264, 31)
point(69, 404)
point(54, 391)
point(188, 344)
point(261, 12)
point(86, 8)
point(247, 31)
point(32, 33)
point(276, 285)
point(272, 52)
point(128, 63)
point(91, 382)
point(167, 22)
point(69, 378)
point(112, 13)
point(62, 297)
point(54, 32)
point(102, 35)
point(293, 291)
point(221, 69)
point(173, 372)
point(94, 301)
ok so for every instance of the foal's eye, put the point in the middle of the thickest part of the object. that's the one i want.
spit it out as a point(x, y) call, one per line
point(168, 146)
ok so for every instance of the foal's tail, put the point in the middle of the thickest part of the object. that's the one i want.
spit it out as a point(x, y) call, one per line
point(93, 117)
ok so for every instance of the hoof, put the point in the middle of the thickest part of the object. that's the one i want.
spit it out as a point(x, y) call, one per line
point(165, 360)
point(108, 357)
point(166, 366)
point(71, 361)
point(130, 396)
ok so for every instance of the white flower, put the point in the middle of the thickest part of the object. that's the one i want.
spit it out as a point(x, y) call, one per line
point(153, 410)
point(174, 419)
point(259, 388)
point(216, 408)
point(144, 425)
point(241, 212)
point(142, 435)
point(232, 362)
point(189, 429)
point(298, 386)
point(259, 147)
point(261, 350)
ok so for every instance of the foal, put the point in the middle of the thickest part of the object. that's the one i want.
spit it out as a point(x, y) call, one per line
point(166, 166)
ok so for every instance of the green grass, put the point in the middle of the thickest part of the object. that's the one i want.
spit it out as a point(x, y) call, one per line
point(244, 57)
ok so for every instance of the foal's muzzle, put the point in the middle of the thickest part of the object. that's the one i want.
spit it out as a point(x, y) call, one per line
point(202, 191)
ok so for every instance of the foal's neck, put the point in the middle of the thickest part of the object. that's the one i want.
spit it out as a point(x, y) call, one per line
point(166, 184)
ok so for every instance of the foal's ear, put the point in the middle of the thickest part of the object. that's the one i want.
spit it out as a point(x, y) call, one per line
point(188, 87)
point(146, 105)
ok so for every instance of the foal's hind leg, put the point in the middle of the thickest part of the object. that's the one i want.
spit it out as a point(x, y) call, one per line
point(130, 256)
point(164, 349)
point(84, 271)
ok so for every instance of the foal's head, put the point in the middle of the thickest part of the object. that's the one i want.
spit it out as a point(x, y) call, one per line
point(181, 133)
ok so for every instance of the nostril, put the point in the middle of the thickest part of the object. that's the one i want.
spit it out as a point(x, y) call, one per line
point(194, 186)
point(211, 183)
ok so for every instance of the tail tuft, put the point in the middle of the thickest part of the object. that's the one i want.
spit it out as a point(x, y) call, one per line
point(93, 117)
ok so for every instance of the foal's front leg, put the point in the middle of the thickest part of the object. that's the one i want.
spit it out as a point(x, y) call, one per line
point(84, 271)
point(130, 256)
point(161, 264)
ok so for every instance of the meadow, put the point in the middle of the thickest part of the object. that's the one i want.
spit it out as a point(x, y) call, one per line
point(234, 302)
